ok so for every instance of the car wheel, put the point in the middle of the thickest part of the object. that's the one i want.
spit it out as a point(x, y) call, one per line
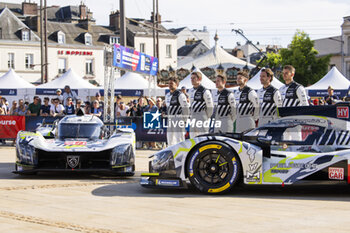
point(213, 168)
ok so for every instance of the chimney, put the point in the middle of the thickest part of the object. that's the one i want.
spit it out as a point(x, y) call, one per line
point(85, 24)
point(82, 11)
point(29, 8)
point(114, 20)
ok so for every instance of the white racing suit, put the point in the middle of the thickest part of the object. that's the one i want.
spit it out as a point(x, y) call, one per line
point(201, 110)
point(224, 111)
point(270, 99)
point(177, 110)
point(247, 109)
point(293, 95)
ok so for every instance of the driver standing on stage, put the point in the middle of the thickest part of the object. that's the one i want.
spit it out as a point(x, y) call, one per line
point(293, 94)
point(177, 110)
point(269, 98)
point(248, 104)
point(225, 106)
point(201, 105)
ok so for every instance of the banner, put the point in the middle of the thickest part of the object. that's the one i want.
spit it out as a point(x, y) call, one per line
point(129, 59)
point(8, 91)
point(125, 92)
point(10, 125)
point(323, 93)
point(50, 91)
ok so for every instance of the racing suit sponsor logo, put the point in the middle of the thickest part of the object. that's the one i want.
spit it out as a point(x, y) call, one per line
point(336, 173)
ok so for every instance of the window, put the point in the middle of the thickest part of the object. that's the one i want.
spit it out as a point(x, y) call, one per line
point(29, 61)
point(168, 51)
point(61, 38)
point(142, 47)
point(62, 65)
point(88, 67)
point(88, 39)
point(114, 40)
point(11, 60)
point(25, 35)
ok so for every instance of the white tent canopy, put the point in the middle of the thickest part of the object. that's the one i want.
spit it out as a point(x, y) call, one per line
point(12, 80)
point(214, 57)
point(256, 84)
point(70, 78)
point(333, 78)
point(131, 81)
point(206, 82)
point(13, 87)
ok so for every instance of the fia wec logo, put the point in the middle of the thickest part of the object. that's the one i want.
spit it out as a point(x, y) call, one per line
point(342, 112)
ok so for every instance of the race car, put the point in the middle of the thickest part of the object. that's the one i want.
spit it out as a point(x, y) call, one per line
point(290, 150)
point(76, 144)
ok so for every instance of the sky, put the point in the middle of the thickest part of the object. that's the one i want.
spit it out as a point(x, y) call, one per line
point(263, 21)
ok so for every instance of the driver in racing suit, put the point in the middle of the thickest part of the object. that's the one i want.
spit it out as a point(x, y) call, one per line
point(225, 106)
point(293, 94)
point(201, 105)
point(269, 97)
point(177, 110)
point(248, 104)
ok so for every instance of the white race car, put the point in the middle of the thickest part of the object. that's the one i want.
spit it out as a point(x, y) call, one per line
point(76, 143)
point(287, 151)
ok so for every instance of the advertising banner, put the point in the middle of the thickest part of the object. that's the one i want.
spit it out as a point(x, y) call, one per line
point(129, 59)
point(8, 91)
point(50, 91)
point(10, 125)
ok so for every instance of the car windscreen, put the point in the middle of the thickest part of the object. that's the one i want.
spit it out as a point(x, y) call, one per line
point(89, 131)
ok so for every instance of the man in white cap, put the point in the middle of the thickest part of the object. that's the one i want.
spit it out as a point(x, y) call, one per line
point(331, 99)
point(201, 105)
point(177, 110)
point(269, 98)
point(59, 95)
point(247, 104)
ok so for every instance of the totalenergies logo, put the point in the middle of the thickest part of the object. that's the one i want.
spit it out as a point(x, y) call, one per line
point(7, 122)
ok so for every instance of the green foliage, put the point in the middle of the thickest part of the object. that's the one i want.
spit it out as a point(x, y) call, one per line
point(302, 55)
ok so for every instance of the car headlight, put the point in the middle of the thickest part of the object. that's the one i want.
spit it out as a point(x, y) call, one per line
point(122, 155)
point(163, 162)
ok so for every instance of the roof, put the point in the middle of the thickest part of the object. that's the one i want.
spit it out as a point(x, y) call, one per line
point(333, 78)
point(75, 33)
point(329, 45)
point(176, 30)
point(12, 26)
point(141, 30)
point(186, 50)
point(212, 58)
point(12, 80)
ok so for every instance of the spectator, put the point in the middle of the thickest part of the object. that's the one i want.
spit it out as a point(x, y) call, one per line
point(315, 102)
point(87, 107)
point(96, 110)
point(45, 108)
point(14, 108)
point(69, 108)
point(331, 99)
point(57, 108)
point(117, 104)
point(134, 109)
point(151, 107)
point(161, 106)
point(34, 108)
point(59, 96)
point(184, 90)
point(69, 93)
point(98, 98)
point(79, 106)
point(22, 108)
point(3, 105)
point(122, 110)
point(2, 111)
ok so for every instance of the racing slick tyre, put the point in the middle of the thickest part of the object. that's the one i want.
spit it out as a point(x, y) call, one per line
point(213, 168)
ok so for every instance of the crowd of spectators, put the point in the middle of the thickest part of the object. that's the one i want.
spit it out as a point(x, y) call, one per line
point(68, 103)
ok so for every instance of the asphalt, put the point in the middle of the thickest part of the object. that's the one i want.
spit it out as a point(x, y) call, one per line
point(54, 202)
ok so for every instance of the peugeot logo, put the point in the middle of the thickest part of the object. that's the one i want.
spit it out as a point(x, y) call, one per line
point(72, 161)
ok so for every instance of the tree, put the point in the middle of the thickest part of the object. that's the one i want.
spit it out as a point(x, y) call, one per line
point(303, 56)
